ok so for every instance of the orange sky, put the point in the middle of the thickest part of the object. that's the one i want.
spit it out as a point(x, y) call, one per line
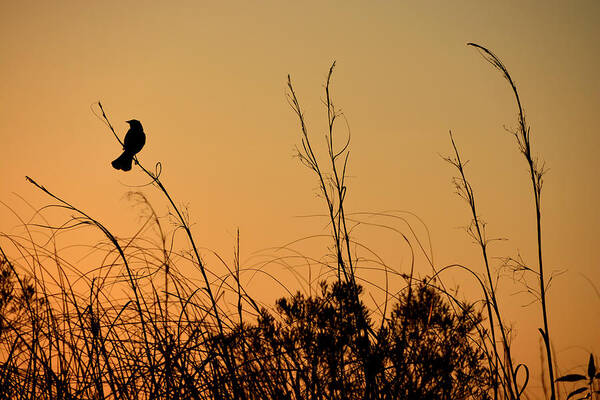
point(208, 83)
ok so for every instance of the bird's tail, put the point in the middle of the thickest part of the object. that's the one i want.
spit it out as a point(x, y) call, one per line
point(123, 161)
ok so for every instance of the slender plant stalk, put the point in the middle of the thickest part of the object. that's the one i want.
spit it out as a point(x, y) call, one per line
point(238, 393)
point(466, 191)
point(536, 172)
point(335, 200)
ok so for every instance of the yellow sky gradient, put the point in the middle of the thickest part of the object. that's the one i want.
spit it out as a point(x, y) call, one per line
point(207, 81)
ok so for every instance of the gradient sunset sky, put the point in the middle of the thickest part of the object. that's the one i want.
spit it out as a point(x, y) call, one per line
point(208, 82)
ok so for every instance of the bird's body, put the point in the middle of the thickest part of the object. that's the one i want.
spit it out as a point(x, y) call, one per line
point(133, 143)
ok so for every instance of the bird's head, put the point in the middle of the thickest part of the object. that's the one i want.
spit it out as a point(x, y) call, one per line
point(134, 123)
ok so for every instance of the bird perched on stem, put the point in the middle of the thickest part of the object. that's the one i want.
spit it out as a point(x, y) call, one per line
point(133, 143)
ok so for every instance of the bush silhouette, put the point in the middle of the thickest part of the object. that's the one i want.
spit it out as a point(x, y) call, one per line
point(315, 348)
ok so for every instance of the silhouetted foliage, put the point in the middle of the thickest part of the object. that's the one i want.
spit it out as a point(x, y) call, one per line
point(16, 294)
point(434, 349)
point(315, 348)
point(592, 376)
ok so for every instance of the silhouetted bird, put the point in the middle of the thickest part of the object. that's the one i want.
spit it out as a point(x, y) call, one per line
point(133, 143)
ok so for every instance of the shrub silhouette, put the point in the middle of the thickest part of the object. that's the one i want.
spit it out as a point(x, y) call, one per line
point(15, 295)
point(315, 348)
